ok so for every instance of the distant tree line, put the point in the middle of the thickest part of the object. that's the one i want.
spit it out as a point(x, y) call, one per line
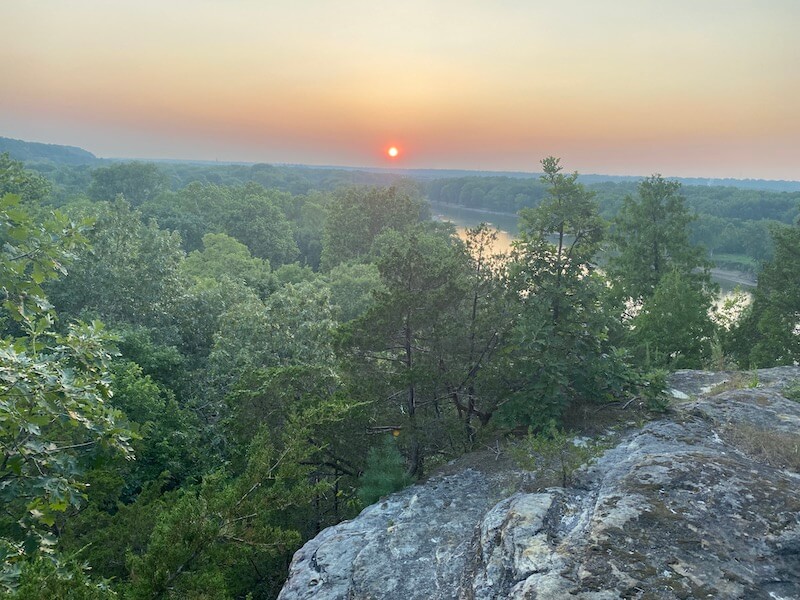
point(733, 224)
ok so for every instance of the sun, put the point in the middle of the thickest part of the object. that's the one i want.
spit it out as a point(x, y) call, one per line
point(393, 152)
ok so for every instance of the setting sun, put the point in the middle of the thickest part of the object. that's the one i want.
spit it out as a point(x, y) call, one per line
point(393, 152)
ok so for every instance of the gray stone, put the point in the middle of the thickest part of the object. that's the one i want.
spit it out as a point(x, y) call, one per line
point(680, 508)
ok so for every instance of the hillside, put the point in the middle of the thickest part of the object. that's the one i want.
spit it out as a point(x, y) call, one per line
point(700, 504)
point(35, 152)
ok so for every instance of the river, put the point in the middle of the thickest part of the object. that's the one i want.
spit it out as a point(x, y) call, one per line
point(506, 225)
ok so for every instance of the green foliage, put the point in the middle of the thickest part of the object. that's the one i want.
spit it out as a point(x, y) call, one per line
point(661, 279)
point(356, 217)
point(674, 329)
point(651, 239)
point(792, 391)
point(251, 396)
point(753, 380)
point(768, 334)
point(555, 455)
point(423, 279)
point(192, 211)
point(33, 252)
point(249, 213)
point(731, 222)
point(181, 538)
point(309, 218)
point(224, 258)
point(106, 528)
point(46, 577)
point(199, 312)
point(129, 276)
point(53, 406)
point(308, 410)
point(29, 186)
point(232, 536)
point(254, 217)
point(385, 473)
point(293, 326)
point(353, 287)
point(500, 194)
point(468, 342)
point(554, 271)
point(293, 273)
point(137, 182)
point(45, 153)
point(162, 362)
point(558, 352)
point(652, 387)
point(54, 397)
point(266, 397)
point(168, 432)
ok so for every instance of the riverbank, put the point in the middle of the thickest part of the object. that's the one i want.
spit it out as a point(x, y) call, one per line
point(470, 209)
point(736, 277)
point(506, 223)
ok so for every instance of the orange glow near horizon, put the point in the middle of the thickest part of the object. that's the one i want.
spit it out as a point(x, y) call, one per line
point(629, 87)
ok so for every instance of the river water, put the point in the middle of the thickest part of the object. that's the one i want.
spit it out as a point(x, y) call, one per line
point(506, 226)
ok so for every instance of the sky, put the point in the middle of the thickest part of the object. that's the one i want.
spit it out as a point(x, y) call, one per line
point(706, 88)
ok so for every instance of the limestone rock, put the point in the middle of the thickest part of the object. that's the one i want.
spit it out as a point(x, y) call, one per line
point(695, 505)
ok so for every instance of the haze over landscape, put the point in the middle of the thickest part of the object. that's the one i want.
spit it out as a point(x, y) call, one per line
point(630, 87)
point(321, 300)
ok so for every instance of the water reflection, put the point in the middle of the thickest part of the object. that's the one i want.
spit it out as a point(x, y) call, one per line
point(468, 217)
point(507, 230)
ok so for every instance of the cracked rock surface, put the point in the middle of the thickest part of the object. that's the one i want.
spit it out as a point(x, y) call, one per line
point(704, 503)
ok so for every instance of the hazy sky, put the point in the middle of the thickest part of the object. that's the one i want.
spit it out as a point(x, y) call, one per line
point(681, 87)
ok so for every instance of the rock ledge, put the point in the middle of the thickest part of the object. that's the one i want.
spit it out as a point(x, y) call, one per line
point(695, 505)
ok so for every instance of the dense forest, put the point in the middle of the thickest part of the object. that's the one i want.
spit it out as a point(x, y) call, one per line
point(734, 218)
point(733, 224)
point(202, 366)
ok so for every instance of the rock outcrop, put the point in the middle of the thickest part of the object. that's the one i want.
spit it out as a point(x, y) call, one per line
point(704, 503)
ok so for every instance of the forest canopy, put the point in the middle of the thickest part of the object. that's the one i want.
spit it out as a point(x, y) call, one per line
point(203, 366)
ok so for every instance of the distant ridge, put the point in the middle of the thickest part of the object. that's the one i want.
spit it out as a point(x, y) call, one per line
point(35, 152)
point(775, 185)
